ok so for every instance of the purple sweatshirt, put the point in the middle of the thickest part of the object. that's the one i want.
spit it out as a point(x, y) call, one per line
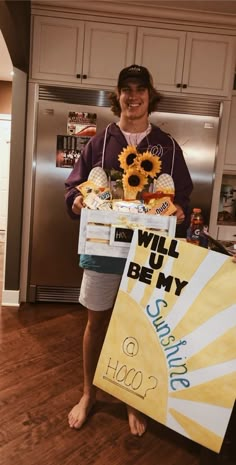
point(157, 142)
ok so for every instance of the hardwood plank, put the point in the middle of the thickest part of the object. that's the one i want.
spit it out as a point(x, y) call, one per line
point(41, 379)
point(47, 345)
point(30, 314)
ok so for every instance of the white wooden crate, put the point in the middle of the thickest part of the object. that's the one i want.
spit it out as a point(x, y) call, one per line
point(110, 233)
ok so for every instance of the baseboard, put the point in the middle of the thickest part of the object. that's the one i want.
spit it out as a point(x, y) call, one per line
point(10, 298)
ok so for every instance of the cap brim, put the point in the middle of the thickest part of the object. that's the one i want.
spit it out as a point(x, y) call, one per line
point(135, 78)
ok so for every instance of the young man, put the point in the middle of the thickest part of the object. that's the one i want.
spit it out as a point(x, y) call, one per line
point(134, 99)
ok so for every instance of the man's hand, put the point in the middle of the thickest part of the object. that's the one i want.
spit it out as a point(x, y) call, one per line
point(78, 204)
point(179, 213)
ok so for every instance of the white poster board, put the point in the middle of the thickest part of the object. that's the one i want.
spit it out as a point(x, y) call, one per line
point(170, 349)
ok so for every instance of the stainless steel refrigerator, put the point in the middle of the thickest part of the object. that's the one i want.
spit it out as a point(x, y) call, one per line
point(54, 274)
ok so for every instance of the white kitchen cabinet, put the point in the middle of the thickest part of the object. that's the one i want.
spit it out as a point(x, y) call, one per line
point(162, 52)
point(74, 52)
point(230, 152)
point(107, 49)
point(190, 62)
point(57, 52)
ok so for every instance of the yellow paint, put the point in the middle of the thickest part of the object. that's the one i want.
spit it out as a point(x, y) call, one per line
point(149, 359)
point(130, 322)
point(197, 432)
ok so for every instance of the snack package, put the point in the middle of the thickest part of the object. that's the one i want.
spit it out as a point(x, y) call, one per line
point(130, 207)
point(96, 184)
point(87, 187)
point(160, 202)
point(95, 201)
point(106, 205)
point(162, 206)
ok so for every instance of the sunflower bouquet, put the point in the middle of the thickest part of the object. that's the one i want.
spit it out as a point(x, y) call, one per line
point(138, 170)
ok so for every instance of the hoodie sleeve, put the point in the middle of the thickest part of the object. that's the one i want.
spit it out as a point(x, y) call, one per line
point(78, 175)
point(182, 180)
point(183, 189)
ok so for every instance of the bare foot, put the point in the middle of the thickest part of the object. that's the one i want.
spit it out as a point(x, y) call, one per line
point(137, 421)
point(79, 413)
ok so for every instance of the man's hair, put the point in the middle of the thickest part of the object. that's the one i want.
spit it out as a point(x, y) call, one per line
point(154, 98)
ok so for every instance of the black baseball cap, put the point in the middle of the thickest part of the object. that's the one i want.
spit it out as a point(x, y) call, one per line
point(135, 72)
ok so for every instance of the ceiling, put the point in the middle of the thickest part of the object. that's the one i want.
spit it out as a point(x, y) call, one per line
point(214, 6)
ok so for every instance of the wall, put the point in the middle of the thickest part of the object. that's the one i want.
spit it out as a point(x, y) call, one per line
point(15, 27)
point(5, 97)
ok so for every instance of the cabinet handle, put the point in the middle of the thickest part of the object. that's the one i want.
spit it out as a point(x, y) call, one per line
point(84, 76)
point(184, 86)
point(78, 76)
point(178, 85)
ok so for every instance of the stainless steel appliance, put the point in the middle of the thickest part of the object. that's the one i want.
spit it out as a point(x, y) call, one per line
point(54, 274)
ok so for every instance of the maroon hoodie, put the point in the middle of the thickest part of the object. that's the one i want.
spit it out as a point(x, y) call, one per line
point(157, 141)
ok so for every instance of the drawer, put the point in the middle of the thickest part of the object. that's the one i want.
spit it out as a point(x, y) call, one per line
point(226, 233)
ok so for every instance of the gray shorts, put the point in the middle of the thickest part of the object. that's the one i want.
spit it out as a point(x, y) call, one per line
point(98, 290)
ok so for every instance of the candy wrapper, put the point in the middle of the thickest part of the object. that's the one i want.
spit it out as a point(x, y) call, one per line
point(160, 202)
point(99, 201)
point(162, 206)
point(95, 190)
point(97, 195)
point(87, 187)
point(129, 207)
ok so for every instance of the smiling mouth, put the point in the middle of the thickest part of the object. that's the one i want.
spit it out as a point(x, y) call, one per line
point(134, 105)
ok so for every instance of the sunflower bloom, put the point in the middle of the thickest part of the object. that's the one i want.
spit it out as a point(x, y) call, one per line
point(134, 181)
point(150, 165)
point(128, 157)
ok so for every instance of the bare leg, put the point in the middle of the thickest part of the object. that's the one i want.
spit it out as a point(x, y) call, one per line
point(94, 334)
point(137, 421)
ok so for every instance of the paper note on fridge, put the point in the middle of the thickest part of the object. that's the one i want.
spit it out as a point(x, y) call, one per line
point(170, 349)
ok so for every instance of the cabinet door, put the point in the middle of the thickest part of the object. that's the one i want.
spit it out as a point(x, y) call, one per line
point(230, 154)
point(209, 64)
point(57, 49)
point(162, 52)
point(107, 49)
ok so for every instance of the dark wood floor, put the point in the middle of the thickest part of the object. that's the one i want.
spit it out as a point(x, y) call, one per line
point(41, 379)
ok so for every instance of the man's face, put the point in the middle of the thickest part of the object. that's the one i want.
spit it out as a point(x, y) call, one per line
point(134, 100)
